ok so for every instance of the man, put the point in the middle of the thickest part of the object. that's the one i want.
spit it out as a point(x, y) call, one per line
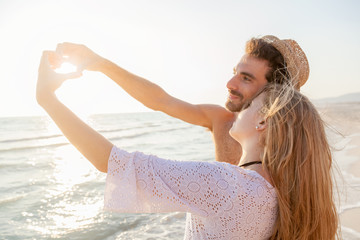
point(266, 59)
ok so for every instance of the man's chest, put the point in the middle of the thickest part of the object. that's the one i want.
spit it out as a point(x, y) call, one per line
point(226, 148)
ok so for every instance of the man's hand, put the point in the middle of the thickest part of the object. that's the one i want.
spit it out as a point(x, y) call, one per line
point(48, 80)
point(79, 55)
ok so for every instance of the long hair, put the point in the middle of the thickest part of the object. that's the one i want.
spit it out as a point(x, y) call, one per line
point(298, 158)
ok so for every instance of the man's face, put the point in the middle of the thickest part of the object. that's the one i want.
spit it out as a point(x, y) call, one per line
point(249, 78)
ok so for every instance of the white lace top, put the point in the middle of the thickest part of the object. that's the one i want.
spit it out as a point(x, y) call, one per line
point(223, 201)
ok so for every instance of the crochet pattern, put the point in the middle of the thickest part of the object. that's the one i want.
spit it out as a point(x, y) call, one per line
point(223, 201)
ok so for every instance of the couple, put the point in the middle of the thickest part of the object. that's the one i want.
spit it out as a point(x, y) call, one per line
point(278, 184)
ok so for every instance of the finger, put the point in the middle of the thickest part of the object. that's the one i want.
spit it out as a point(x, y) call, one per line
point(81, 68)
point(66, 76)
point(55, 60)
point(59, 50)
point(63, 49)
point(44, 61)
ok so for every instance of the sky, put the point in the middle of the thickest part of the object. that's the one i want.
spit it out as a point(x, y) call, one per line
point(189, 48)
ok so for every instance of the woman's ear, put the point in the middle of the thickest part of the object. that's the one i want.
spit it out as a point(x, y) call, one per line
point(261, 125)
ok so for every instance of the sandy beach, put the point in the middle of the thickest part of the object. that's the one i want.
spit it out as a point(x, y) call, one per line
point(345, 118)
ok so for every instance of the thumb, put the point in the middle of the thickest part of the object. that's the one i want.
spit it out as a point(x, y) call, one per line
point(72, 75)
point(44, 62)
point(81, 68)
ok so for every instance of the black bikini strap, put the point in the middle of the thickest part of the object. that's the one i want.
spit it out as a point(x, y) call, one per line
point(250, 163)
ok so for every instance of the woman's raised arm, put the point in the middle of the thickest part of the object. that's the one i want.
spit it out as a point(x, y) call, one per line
point(90, 143)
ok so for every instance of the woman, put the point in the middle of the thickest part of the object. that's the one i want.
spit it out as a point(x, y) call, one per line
point(282, 188)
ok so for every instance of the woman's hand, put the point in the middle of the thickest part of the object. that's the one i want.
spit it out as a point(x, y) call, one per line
point(48, 80)
point(79, 55)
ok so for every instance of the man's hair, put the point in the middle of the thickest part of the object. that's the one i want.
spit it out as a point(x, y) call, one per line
point(261, 49)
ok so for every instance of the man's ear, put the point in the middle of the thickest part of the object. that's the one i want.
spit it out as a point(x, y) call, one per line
point(261, 125)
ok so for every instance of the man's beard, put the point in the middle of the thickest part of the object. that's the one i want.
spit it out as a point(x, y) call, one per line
point(235, 107)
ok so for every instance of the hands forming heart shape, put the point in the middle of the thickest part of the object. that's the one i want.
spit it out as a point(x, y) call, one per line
point(50, 79)
point(78, 55)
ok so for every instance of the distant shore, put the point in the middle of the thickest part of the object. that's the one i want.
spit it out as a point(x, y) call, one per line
point(345, 118)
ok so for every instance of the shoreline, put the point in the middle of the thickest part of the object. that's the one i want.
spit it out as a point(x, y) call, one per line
point(350, 217)
point(343, 132)
point(354, 151)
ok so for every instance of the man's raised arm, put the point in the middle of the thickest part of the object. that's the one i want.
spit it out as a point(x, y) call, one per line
point(146, 92)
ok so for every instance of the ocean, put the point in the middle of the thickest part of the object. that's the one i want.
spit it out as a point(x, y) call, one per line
point(49, 190)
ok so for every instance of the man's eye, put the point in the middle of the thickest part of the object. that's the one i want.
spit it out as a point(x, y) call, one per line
point(246, 78)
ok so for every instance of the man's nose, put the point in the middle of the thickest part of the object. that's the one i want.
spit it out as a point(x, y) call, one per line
point(231, 83)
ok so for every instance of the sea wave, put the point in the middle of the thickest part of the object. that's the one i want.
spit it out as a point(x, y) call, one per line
point(15, 140)
point(11, 199)
point(144, 133)
point(18, 147)
point(112, 130)
point(32, 147)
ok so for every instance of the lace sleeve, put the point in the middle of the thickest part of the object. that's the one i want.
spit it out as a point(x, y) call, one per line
point(143, 183)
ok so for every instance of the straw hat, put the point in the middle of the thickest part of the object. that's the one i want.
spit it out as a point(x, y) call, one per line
point(295, 58)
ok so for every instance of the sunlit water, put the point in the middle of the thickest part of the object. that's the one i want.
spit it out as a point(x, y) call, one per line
point(49, 191)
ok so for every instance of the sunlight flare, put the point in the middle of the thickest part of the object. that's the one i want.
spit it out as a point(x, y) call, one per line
point(66, 68)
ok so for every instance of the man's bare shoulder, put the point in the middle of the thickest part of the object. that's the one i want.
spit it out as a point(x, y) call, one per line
point(227, 149)
point(218, 114)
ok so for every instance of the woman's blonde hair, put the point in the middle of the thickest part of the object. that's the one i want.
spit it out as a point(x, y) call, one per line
point(298, 158)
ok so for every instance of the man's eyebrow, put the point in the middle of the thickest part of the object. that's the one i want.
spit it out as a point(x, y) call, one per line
point(248, 74)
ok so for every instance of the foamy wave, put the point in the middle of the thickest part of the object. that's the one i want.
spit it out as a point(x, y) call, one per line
point(32, 147)
point(112, 130)
point(349, 233)
point(29, 138)
point(144, 133)
point(11, 199)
